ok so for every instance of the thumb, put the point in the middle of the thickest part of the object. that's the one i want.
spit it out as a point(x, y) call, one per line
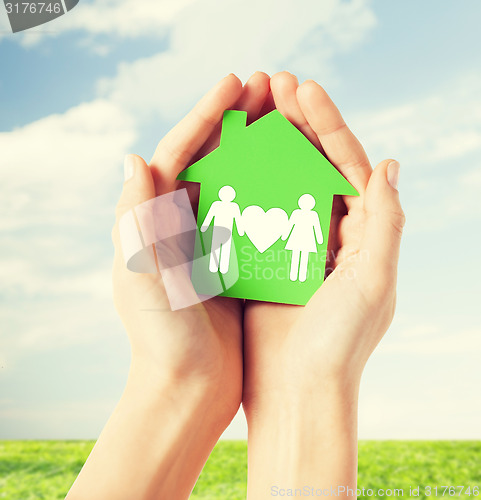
point(138, 187)
point(384, 225)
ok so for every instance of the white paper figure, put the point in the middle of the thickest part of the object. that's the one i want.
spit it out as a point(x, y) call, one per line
point(306, 234)
point(223, 213)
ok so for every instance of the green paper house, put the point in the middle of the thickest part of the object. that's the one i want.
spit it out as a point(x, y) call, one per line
point(264, 211)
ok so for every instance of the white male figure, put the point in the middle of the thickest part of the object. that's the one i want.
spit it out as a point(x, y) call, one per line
point(223, 213)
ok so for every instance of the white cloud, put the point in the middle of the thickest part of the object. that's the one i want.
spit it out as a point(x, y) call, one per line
point(434, 129)
point(28, 276)
point(463, 200)
point(4, 24)
point(58, 324)
point(124, 18)
point(121, 18)
point(56, 186)
point(59, 166)
point(207, 42)
point(262, 29)
point(437, 139)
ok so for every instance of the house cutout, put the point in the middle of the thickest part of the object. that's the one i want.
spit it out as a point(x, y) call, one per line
point(264, 211)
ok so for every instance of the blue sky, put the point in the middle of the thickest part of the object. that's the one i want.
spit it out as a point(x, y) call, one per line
point(112, 77)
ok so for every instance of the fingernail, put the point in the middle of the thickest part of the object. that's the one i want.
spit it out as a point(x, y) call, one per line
point(393, 174)
point(129, 167)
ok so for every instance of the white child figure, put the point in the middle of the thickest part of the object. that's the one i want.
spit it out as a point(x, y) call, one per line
point(306, 231)
point(223, 213)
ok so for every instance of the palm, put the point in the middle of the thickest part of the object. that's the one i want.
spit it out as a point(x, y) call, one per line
point(202, 342)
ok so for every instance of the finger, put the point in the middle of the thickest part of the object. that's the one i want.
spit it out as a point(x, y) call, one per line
point(342, 148)
point(284, 87)
point(253, 97)
point(383, 227)
point(138, 187)
point(268, 106)
point(177, 148)
point(338, 214)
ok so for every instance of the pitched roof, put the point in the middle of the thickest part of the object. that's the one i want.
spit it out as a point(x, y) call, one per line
point(271, 147)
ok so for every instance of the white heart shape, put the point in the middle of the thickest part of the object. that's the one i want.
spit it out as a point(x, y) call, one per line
point(264, 228)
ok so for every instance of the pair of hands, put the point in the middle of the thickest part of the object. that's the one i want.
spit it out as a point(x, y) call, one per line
point(254, 352)
point(295, 369)
point(244, 352)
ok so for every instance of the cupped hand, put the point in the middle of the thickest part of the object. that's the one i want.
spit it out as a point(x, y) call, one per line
point(199, 346)
point(288, 348)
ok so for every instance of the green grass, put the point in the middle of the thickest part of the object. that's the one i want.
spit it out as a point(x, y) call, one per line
point(405, 464)
point(46, 469)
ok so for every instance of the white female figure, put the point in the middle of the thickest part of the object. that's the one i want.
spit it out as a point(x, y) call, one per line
point(305, 236)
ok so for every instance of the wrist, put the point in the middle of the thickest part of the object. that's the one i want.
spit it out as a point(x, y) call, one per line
point(157, 440)
point(192, 397)
point(289, 393)
point(307, 438)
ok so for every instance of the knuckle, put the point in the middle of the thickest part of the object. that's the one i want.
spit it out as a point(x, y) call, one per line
point(205, 117)
point(398, 220)
point(352, 166)
point(170, 154)
point(380, 294)
point(394, 218)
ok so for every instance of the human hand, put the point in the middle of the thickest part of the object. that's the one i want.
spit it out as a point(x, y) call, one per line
point(335, 333)
point(302, 365)
point(200, 346)
point(185, 381)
